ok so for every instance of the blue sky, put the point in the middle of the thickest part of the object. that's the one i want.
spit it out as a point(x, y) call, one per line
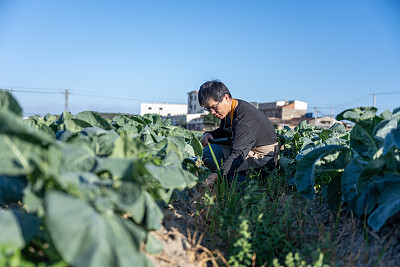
point(113, 55)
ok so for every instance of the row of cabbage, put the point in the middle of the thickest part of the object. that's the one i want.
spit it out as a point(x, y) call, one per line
point(359, 169)
point(82, 191)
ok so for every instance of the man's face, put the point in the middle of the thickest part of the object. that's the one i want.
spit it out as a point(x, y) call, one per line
point(219, 109)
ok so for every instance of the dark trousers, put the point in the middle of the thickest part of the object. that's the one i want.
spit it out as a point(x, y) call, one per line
point(219, 156)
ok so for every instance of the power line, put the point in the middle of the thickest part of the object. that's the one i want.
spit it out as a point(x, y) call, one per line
point(119, 97)
point(388, 93)
point(33, 88)
point(84, 93)
point(35, 92)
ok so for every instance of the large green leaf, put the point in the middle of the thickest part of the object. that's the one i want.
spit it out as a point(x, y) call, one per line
point(132, 128)
point(334, 193)
point(386, 115)
point(11, 189)
point(46, 124)
point(333, 160)
point(357, 114)
point(10, 233)
point(13, 125)
point(127, 147)
point(386, 126)
point(84, 237)
point(349, 179)
point(310, 146)
point(140, 205)
point(338, 128)
point(123, 119)
point(18, 155)
point(152, 118)
point(74, 125)
point(302, 126)
point(332, 164)
point(115, 167)
point(389, 204)
point(176, 144)
point(8, 102)
point(78, 158)
point(304, 174)
point(93, 119)
point(64, 116)
point(379, 165)
point(392, 140)
point(171, 177)
point(148, 136)
point(197, 147)
point(168, 145)
point(368, 197)
point(102, 141)
point(362, 141)
point(288, 135)
point(17, 228)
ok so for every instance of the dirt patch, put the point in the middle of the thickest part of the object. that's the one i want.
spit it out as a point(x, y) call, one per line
point(345, 241)
point(182, 235)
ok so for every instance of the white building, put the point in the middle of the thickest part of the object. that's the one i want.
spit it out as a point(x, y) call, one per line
point(164, 110)
point(193, 104)
point(284, 109)
point(195, 117)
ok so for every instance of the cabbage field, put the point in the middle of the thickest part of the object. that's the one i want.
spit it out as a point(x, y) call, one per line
point(78, 190)
point(359, 169)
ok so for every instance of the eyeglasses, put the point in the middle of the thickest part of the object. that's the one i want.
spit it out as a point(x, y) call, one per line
point(212, 108)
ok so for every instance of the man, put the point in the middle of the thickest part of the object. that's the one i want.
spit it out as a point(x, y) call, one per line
point(253, 140)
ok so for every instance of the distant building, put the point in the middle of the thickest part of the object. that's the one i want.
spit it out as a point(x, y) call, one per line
point(176, 112)
point(195, 118)
point(324, 122)
point(284, 109)
point(193, 104)
point(163, 109)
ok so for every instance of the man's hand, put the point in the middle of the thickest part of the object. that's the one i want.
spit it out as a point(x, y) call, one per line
point(205, 138)
point(209, 182)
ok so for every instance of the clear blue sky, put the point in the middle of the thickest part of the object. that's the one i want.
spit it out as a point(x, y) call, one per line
point(113, 55)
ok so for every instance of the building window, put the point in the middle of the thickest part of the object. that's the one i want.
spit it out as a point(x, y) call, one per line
point(160, 108)
point(149, 108)
point(194, 106)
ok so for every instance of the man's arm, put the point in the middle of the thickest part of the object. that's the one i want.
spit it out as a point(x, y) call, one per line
point(217, 133)
point(242, 142)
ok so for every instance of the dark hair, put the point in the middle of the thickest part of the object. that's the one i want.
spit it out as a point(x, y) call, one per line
point(214, 90)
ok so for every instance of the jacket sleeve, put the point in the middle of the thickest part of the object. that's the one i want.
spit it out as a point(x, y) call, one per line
point(243, 140)
point(219, 132)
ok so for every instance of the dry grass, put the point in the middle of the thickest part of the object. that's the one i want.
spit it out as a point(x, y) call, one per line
point(343, 239)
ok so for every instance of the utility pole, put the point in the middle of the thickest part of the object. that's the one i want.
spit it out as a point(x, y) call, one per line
point(316, 116)
point(331, 111)
point(66, 108)
point(11, 91)
point(374, 100)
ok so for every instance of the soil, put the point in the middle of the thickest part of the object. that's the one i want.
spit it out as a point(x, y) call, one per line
point(354, 244)
point(181, 235)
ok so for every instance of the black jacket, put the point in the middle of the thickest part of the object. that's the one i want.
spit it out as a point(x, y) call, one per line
point(250, 128)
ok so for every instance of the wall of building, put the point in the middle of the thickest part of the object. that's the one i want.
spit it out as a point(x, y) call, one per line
point(289, 113)
point(163, 109)
point(300, 105)
point(273, 113)
point(193, 103)
point(265, 106)
point(177, 120)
